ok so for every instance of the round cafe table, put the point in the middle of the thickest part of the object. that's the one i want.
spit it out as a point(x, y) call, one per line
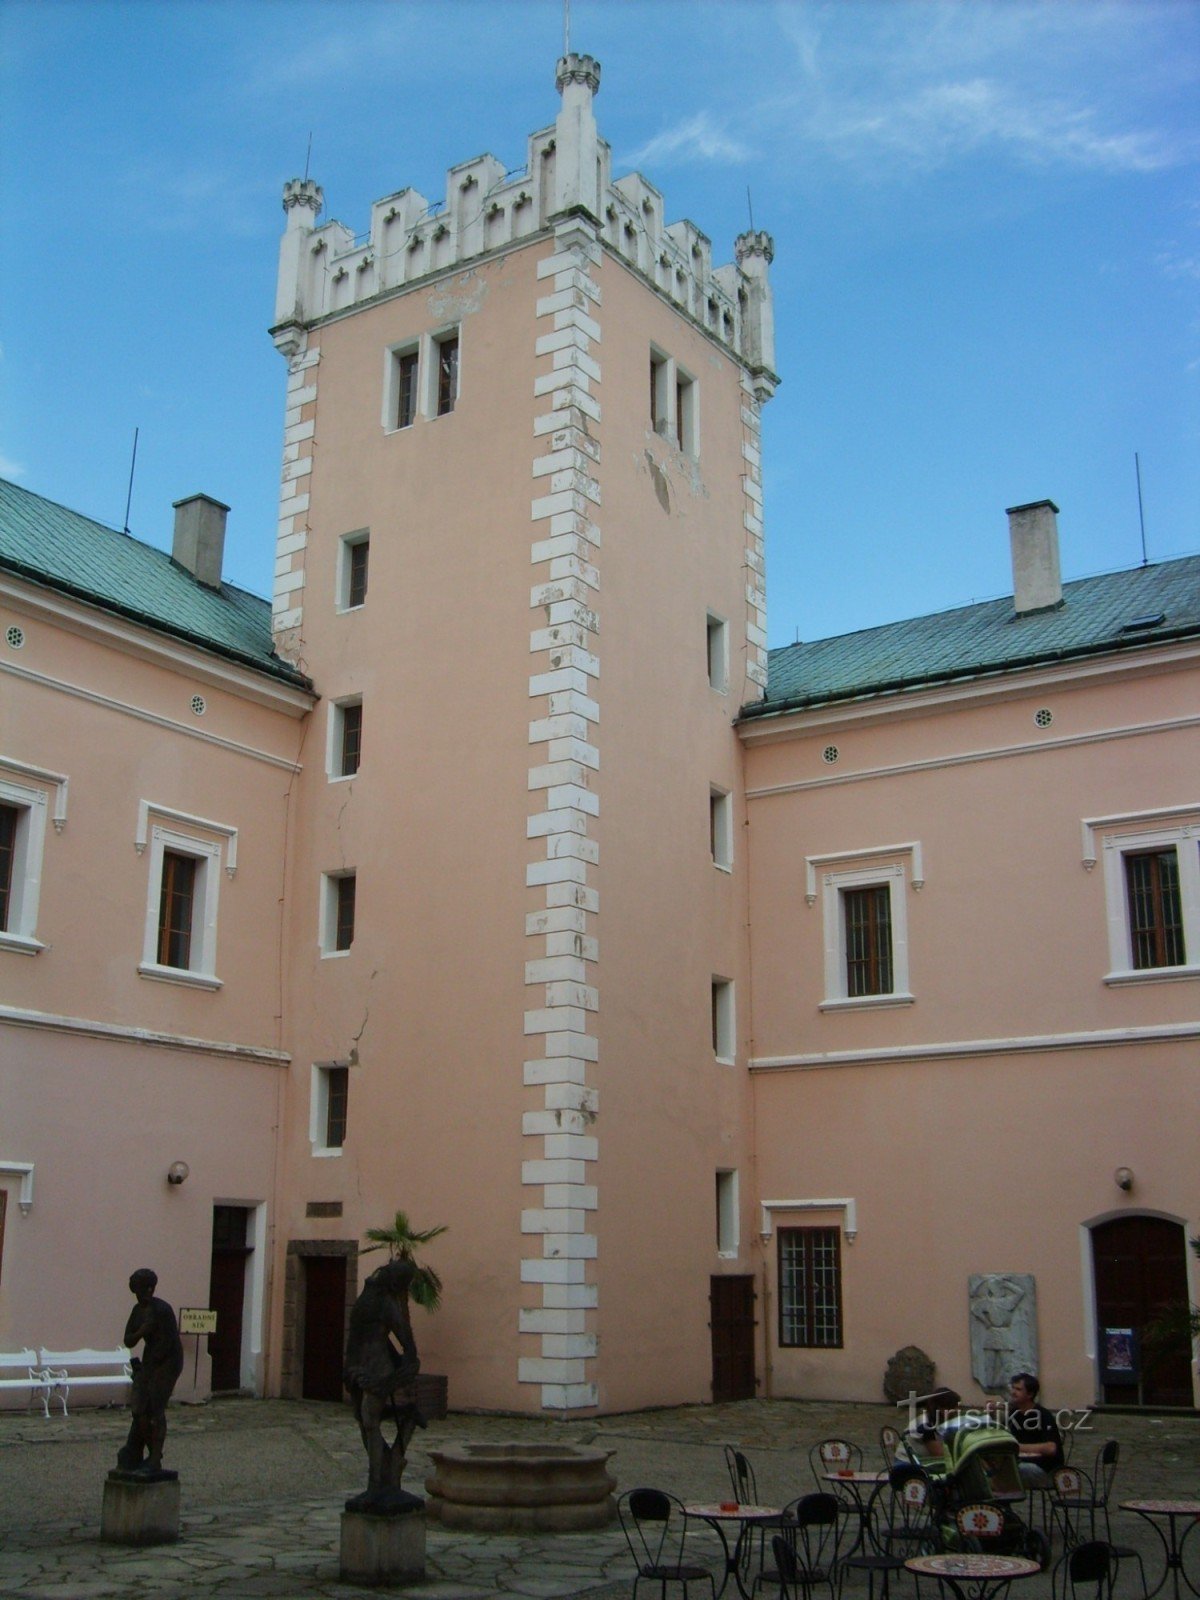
point(972, 1577)
point(857, 1491)
point(1173, 1542)
point(718, 1515)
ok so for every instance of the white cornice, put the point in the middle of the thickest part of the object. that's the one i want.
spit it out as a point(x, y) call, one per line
point(986, 753)
point(24, 1171)
point(58, 780)
point(966, 1049)
point(86, 1027)
point(144, 643)
point(998, 684)
point(141, 715)
point(845, 1205)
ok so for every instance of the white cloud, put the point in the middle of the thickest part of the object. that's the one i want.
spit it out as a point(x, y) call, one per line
point(10, 468)
point(924, 86)
point(699, 138)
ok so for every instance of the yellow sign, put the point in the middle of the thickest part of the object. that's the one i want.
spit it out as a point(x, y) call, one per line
point(195, 1320)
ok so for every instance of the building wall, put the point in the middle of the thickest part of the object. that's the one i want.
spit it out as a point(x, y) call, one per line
point(108, 1076)
point(977, 1127)
point(540, 564)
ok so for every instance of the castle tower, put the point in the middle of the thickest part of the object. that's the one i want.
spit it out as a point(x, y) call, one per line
point(521, 554)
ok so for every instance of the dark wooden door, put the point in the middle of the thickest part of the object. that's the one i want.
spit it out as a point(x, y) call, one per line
point(1140, 1267)
point(227, 1294)
point(324, 1326)
point(731, 1306)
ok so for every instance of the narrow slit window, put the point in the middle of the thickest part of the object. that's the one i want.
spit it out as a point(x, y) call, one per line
point(406, 388)
point(718, 653)
point(344, 897)
point(447, 375)
point(348, 735)
point(337, 1103)
point(8, 851)
point(356, 577)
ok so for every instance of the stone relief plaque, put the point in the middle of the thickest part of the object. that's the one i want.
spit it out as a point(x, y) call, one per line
point(1003, 1307)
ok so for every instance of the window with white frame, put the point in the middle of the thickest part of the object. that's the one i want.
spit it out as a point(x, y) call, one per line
point(354, 550)
point(401, 386)
point(445, 373)
point(339, 892)
point(720, 827)
point(865, 924)
point(674, 402)
point(724, 1031)
point(329, 1107)
point(421, 379)
point(180, 940)
point(345, 737)
point(22, 838)
point(717, 630)
point(1152, 889)
point(727, 1212)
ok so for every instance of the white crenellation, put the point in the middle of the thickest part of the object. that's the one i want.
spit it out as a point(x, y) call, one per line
point(568, 172)
point(564, 799)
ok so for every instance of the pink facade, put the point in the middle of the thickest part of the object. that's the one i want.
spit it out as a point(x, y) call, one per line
point(730, 1026)
point(118, 743)
point(976, 1124)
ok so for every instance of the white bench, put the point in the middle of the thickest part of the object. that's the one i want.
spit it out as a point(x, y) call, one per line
point(26, 1363)
point(64, 1370)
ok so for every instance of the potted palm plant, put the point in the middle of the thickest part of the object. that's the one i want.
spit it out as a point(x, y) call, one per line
point(402, 1241)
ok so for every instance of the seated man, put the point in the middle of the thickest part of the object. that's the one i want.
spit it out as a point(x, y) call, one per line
point(1035, 1430)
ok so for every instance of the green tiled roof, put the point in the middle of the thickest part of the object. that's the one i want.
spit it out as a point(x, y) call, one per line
point(68, 552)
point(1115, 612)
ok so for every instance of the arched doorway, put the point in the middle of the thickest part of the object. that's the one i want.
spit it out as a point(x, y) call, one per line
point(1139, 1268)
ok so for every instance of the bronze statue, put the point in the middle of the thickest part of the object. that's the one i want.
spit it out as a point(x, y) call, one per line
point(383, 1382)
point(155, 1374)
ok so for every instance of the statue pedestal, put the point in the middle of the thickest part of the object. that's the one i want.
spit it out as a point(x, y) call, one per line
point(384, 1545)
point(140, 1508)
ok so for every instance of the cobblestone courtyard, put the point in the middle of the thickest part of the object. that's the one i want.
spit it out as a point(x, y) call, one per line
point(263, 1484)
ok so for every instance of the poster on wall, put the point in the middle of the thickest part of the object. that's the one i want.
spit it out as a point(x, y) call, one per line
point(1119, 1356)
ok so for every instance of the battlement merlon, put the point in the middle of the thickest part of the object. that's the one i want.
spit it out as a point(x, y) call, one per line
point(326, 270)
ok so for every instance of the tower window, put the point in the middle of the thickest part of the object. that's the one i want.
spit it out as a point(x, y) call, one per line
point(406, 388)
point(447, 374)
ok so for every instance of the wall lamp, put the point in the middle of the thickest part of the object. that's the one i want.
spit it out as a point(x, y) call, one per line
point(1123, 1178)
point(177, 1172)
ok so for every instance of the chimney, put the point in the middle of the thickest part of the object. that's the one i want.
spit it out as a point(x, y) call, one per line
point(199, 542)
point(1033, 533)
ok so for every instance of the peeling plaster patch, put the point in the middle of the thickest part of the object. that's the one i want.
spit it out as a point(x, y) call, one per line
point(458, 299)
point(658, 478)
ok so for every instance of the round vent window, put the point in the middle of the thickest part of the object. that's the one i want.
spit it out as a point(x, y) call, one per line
point(830, 754)
point(1044, 717)
point(199, 704)
point(15, 637)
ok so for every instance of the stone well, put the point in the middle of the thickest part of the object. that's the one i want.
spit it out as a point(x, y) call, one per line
point(544, 1488)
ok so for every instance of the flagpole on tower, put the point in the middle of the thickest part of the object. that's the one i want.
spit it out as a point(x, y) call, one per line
point(566, 27)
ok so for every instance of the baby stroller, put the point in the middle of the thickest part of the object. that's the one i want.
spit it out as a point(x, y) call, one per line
point(983, 1469)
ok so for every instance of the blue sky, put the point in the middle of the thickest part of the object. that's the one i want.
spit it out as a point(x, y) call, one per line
point(986, 217)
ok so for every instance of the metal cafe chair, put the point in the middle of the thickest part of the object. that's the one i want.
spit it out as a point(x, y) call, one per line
point(833, 1455)
point(887, 1514)
point(655, 1528)
point(889, 1445)
point(806, 1552)
point(1084, 1572)
point(741, 1476)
